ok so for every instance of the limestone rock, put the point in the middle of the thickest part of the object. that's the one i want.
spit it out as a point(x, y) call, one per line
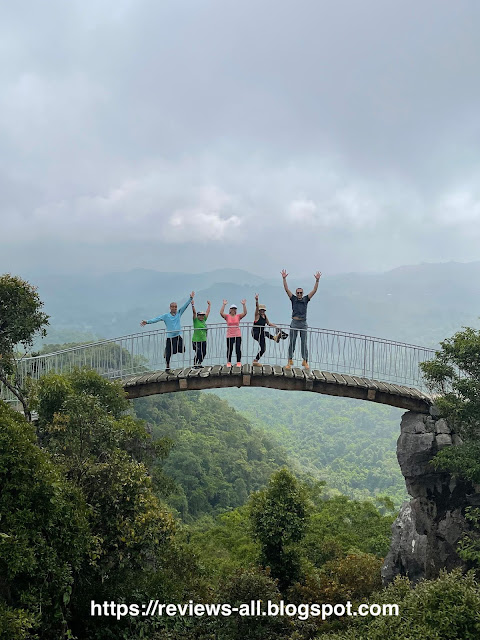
point(441, 426)
point(408, 549)
point(427, 530)
point(434, 411)
point(443, 440)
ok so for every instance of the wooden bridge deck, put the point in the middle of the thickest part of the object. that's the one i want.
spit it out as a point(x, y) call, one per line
point(277, 377)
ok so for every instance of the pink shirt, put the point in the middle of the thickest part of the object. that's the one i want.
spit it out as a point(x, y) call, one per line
point(233, 328)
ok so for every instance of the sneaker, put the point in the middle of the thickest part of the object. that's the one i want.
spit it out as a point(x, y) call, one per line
point(277, 337)
point(239, 364)
point(229, 364)
point(167, 370)
point(289, 364)
point(305, 365)
point(256, 363)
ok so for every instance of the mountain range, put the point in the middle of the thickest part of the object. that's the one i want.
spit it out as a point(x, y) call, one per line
point(419, 304)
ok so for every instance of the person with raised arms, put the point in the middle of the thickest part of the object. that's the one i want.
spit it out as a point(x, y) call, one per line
point(258, 330)
point(199, 338)
point(174, 343)
point(299, 318)
point(234, 334)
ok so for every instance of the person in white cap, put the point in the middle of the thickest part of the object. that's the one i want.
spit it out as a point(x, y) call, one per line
point(258, 330)
point(234, 334)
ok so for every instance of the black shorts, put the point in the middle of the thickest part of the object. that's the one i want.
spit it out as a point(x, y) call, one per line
point(174, 345)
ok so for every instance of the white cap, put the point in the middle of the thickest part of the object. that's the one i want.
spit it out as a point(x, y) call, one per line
point(201, 313)
point(233, 306)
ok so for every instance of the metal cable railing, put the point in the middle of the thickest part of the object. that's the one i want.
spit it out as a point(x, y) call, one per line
point(329, 350)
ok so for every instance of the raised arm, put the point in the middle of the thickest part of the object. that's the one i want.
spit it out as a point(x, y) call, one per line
point(285, 285)
point(244, 304)
point(318, 275)
point(193, 309)
point(207, 313)
point(257, 312)
point(223, 309)
point(182, 308)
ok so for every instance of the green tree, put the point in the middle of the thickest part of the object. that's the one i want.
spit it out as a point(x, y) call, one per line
point(279, 520)
point(240, 588)
point(15, 624)
point(454, 373)
point(21, 319)
point(44, 534)
point(341, 526)
point(442, 609)
point(105, 452)
point(225, 543)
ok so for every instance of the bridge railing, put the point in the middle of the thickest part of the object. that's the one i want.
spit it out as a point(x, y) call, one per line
point(329, 350)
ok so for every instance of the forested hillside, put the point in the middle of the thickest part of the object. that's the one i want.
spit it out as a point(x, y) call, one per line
point(217, 458)
point(181, 498)
point(351, 444)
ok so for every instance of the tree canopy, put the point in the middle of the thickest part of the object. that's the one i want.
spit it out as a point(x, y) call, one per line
point(279, 520)
point(21, 315)
point(454, 374)
point(21, 319)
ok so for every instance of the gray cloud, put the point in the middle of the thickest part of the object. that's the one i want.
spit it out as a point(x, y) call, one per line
point(140, 133)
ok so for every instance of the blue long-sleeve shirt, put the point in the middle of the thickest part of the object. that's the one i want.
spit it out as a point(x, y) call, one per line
point(172, 323)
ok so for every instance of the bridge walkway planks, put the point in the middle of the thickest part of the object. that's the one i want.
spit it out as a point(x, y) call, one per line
point(276, 377)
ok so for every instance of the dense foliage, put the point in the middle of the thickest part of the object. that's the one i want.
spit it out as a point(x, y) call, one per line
point(443, 609)
point(44, 533)
point(105, 453)
point(279, 520)
point(351, 444)
point(454, 373)
point(21, 320)
point(119, 542)
point(217, 458)
point(21, 315)
point(84, 515)
point(90, 524)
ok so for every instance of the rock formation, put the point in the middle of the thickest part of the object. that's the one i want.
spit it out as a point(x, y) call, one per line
point(429, 526)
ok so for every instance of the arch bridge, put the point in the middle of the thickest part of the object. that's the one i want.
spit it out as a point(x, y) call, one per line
point(341, 364)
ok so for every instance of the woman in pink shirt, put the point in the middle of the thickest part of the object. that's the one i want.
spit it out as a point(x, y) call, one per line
point(234, 334)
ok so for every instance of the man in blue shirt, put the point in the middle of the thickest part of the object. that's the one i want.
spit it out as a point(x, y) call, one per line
point(174, 342)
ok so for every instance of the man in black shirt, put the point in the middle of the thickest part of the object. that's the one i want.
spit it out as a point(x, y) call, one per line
point(299, 318)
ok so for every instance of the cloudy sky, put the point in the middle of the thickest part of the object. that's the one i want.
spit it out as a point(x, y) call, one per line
point(343, 136)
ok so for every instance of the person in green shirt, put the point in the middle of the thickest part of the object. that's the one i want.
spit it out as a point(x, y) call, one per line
point(199, 338)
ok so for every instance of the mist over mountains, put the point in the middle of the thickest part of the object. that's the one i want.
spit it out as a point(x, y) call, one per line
point(420, 304)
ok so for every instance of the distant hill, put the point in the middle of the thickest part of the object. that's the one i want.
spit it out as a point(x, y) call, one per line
point(218, 458)
point(420, 304)
point(348, 443)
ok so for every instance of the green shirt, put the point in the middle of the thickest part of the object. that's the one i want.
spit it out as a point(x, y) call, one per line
point(200, 333)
